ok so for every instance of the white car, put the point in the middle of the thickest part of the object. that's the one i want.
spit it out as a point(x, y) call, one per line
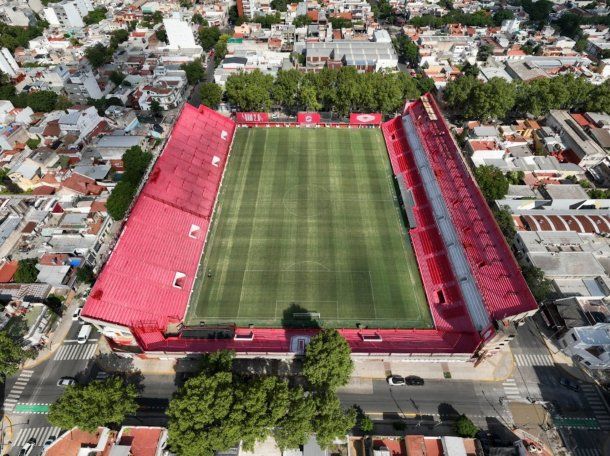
point(76, 314)
point(396, 380)
point(66, 381)
point(27, 449)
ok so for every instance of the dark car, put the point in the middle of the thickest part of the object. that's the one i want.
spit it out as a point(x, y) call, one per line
point(414, 380)
point(396, 380)
point(567, 383)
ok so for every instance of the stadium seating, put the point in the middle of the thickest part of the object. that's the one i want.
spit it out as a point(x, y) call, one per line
point(147, 281)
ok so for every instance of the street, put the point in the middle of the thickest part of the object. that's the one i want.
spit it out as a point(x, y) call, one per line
point(582, 417)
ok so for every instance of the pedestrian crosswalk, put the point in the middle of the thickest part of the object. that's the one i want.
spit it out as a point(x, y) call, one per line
point(41, 434)
point(511, 390)
point(601, 413)
point(534, 359)
point(13, 396)
point(75, 351)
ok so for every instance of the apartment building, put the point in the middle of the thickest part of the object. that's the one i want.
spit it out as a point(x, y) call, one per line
point(68, 13)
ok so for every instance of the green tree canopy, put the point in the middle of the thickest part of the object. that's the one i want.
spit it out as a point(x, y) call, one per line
point(537, 10)
point(250, 91)
point(208, 36)
point(100, 403)
point(505, 221)
point(301, 20)
point(194, 71)
point(502, 15)
point(279, 5)
point(407, 50)
point(199, 19)
point(95, 16)
point(294, 429)
point(328, 363)
point(331, 421)
point(540, 287)
point(211, 94)
point(135, 163)
point(85, 274)
point(492, 182)
point(11, 355)
point(492, 100)
point(26, 271)
point(117, 77)
point(285, 90)
point(120, 199)
point(464, 427)
point(98, 55)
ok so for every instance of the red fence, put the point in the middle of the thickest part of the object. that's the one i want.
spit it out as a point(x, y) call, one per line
point(308, 118)
point(365, 119)
point(251, 117)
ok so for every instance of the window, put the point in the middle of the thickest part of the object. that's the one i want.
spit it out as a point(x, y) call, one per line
point(179, 280)
point(194, 231)
point(574, 337)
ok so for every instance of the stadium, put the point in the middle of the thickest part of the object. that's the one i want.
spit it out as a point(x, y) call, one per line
point(252, 234)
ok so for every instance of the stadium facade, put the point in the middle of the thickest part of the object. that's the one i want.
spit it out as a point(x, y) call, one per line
point(472, 282)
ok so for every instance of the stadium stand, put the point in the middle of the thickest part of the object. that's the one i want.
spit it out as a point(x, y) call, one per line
point(148, 279)
point(470, 276)
point(146, 284)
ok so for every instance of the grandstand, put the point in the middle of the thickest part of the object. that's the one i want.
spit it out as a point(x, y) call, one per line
point(470, 279)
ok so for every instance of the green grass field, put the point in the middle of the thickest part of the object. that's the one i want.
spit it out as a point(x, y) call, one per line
point(308, 223)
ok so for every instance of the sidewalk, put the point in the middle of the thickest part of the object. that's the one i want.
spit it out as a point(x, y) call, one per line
point(495, 369)
point(55, 338)
point(565, 363)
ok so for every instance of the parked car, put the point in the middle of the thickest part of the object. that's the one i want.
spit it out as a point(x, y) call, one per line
point(66, 381)
point(27, 449)
point(48, 442)
point(567, 383)
point(76, 314)
point(414, 380)
point(83, 334)
point(396, 380)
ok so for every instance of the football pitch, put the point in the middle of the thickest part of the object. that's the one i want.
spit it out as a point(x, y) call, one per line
point(307, 231)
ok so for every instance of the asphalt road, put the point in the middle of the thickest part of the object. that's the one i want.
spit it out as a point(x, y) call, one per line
point(428, 409)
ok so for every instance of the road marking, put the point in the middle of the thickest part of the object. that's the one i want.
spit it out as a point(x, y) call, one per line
point(41, 434)
point(15, 393)
point(511, 390)
point(35, 409)
point(75, 351)
point(534, 359)
point(597, 405)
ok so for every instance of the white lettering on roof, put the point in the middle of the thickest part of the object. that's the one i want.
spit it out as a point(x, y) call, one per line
point(194, 231)
point(215, 161)
point(224, 135)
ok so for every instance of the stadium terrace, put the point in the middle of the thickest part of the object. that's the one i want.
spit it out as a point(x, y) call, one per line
point(177, 281)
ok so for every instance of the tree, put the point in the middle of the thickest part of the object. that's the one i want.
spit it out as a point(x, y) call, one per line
point(117, 77)
point(12, 37)
point(599, 101)
point(490, 101)
point(331, 421)
point(220, 50)
point(26, 271)
point(11, 355)
point(301, 20)
point(199, 19)
point(308, 98)
point(268, 20)
point(95, 16)
point(492, 182)
point(538, 10)
point(484, 52)
point(340, 22)
point(279, 5)
point(328, 363)
point(100, 403)
point(407, 50)
point(470, 70)
point(581, 44)
point(250, 91)
point(85, 274)
point(135, 163)
point(40, 101)
point(155, 108)
point(208, 36)
point(234, 17)
point(120, 200)
point(218, 361)
point(117, 37)
point(98, 55)
point(458, 92)
point(194, 71)
point(285, 90)
point(161, 35)
point(211, 94)
point(294, 429)
point(502, 15)
point(540, 287)
point(505, 222)
point(464, 427)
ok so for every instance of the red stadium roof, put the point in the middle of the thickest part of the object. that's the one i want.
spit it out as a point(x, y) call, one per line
point(151, 272)
point(499, 280)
